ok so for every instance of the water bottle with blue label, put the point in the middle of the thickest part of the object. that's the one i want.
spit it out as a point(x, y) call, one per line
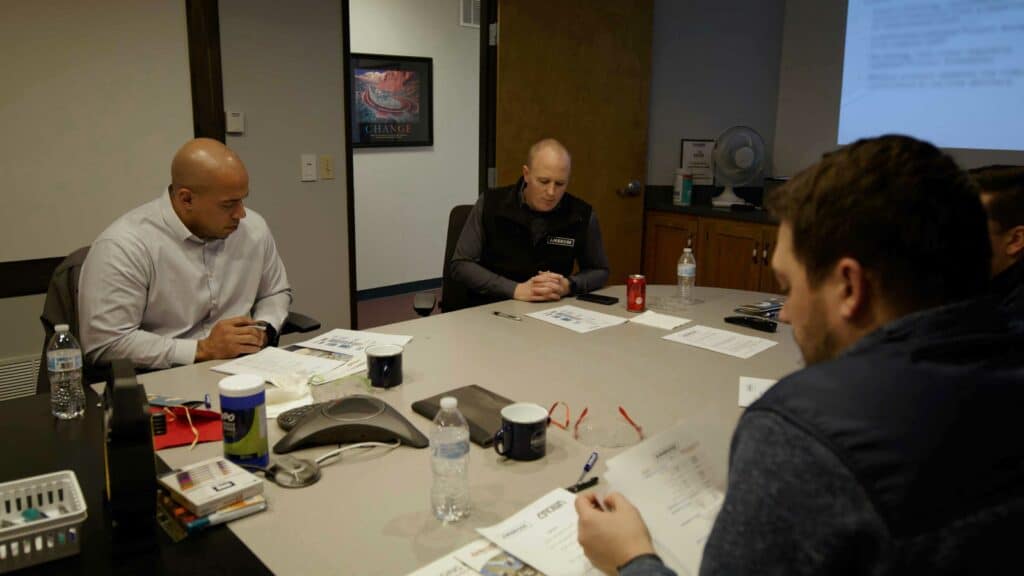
point(449, 447)
point(64, 367)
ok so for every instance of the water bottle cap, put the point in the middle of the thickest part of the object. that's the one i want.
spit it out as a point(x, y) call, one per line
point(688, 250)
point(61, 328)
point(449, 402)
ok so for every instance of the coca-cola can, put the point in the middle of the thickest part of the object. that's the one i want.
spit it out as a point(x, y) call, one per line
point(636, 293)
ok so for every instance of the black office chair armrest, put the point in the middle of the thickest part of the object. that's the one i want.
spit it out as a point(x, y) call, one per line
point(423, 303)
point(296, 322)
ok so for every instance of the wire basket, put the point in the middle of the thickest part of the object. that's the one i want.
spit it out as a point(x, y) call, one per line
point(40, 519)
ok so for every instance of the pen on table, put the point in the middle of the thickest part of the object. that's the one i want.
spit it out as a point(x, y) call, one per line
point(260, 327)
point(240, 510)
point(509, 316)
point(588, 466)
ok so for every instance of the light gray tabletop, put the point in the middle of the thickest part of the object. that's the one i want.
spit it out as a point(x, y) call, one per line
point(370, 513)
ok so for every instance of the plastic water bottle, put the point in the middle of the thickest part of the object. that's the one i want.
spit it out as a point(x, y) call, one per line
point(686, 272)
point(64, 365)
point(449, 447)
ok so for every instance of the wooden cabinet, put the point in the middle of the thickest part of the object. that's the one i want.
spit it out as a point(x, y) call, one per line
point(666, 236)
point(730, 253)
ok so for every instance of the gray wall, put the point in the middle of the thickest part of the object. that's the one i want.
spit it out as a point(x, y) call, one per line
point(810, 82)
point(282, 67)
point(714, 65)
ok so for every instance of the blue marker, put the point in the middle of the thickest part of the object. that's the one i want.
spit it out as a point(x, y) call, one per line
point(588, 466)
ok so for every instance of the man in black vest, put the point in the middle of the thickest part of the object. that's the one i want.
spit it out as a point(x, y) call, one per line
point(1002, 193)
point(896, 451)
point(522, 241)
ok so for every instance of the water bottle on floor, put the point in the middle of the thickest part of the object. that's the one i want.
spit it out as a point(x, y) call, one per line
point(449, 447)
point(686, 272)
point(64, 365)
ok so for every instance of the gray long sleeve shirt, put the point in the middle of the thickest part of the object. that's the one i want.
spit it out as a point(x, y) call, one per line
point(466, 267)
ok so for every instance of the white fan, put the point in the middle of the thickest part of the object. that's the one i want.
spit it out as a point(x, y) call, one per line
point(739, 159)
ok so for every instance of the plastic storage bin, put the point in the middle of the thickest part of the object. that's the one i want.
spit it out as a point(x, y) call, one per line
point(25, 542)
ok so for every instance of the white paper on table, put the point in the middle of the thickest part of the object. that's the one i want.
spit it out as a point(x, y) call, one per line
point(273, 362)
point(577, 319)
point(666, 477)
point(753, 388)
point(487, 559)
point(544, 536)
point(663, 321)
point(447, 565)
point(722, 341)
point(352, 342)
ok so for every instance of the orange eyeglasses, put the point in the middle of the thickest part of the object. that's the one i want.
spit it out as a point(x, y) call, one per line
point(576, 428)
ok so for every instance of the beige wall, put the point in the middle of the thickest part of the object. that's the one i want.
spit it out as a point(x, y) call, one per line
point(403, 195)
point(282, 66)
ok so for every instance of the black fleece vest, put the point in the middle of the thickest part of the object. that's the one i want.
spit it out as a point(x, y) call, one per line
point(509, 249)
point(925, 413)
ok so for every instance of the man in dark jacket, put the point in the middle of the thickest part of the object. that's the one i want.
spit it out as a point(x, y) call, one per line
point(1002, 193)
point(895, 451)
point(522, 241)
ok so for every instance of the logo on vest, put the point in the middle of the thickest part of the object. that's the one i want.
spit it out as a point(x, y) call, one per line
point(559, 241)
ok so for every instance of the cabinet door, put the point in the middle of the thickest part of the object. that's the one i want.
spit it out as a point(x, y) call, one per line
point(732, 254)
point(666, 236)
point(768, 282)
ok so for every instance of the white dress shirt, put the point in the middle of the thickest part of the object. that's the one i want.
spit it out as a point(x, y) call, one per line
point(150, 289)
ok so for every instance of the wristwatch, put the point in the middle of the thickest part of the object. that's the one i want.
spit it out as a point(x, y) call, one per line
point(572, 287)
point(272, 336)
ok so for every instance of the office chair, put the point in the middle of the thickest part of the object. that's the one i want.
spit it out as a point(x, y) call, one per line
point(61, 307)
point(454, 296)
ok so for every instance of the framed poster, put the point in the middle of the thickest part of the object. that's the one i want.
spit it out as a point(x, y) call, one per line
point(392, 101)
point(695, 158)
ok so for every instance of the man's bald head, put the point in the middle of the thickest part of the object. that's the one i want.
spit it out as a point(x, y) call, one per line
point(546, 175)
point(203, 162)
point(208, 184)
point(548, 146)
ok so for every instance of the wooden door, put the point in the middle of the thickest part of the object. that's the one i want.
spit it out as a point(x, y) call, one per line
point(579, 71)
point(732, 251)
point(768, 281)
point(664, 240)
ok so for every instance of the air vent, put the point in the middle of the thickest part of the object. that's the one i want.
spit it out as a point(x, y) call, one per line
point(18, 376)
point(470, 16)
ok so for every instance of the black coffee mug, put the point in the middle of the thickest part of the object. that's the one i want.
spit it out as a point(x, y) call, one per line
point(524, 432)
point(384, 365)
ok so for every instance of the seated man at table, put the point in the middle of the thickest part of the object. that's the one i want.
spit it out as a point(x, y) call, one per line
point(521, 241)
point(890, 453)
point(1002, 193)
point(187, 277)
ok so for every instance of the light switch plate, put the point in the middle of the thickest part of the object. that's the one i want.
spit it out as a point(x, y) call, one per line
point(308, 167)
point(326, 167)
point(235, 122)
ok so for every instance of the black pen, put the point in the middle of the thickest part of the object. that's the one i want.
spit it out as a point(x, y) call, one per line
point(509, 316)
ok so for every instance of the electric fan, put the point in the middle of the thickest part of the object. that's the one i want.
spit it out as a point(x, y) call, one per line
point(739, 159)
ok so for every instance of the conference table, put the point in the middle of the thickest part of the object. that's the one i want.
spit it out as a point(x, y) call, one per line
point(370, 512)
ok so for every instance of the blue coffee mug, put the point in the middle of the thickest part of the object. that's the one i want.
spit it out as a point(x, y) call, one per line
point(524, 432)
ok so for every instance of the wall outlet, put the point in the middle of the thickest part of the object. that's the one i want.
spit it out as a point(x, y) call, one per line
point(308, 167)
point(326, 167)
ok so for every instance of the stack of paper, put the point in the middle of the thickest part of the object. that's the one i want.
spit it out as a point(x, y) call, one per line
point(663, 321)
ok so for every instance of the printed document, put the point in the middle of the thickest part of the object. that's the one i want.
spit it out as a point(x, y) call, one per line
point(577, 319)
point(667, 479)
point(273, 363)
point(447, 565)
point(489, 560)
point(722, 341)
point(752, 388)
point(663, 321)
point(544, 536)
point(352, 342)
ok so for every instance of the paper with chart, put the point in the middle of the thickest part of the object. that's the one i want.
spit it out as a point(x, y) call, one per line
point(753, 388)
point(448, 565)
point(667, 479)
point(544, 536)
point(487, 559)
point(351, 344)
point(657, 320)
point(577, 319)
point(272, 363)
point(722, 341)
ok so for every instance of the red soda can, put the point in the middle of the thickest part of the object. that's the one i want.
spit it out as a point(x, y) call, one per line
point(636, 293)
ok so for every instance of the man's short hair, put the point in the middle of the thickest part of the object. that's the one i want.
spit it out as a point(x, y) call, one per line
point(901, 208)
point(1006, 185)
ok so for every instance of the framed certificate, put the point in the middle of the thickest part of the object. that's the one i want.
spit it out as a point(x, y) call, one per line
point(695, 158)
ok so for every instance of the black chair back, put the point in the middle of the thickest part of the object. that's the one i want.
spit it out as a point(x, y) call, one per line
point(454, 295)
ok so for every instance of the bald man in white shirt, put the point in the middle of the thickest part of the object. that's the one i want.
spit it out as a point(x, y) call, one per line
point(190, 276)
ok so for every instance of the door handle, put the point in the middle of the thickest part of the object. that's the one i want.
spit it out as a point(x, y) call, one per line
point(633, 188)
point(753, 255)
point(764, 253)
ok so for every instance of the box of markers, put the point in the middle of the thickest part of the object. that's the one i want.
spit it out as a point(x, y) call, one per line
point(207, 486)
